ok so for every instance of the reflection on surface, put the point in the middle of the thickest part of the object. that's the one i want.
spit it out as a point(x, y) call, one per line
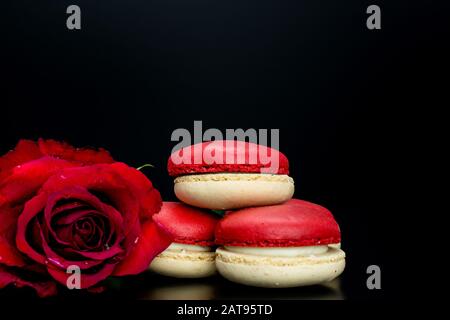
point(199, 291)
point(328, 291)
point(150, 286)
point(165, 288)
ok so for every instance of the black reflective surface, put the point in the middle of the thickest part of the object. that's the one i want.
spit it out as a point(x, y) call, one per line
point(150, 286)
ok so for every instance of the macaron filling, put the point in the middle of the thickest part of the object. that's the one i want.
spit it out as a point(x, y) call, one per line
point(280, 251)
point(175, 246)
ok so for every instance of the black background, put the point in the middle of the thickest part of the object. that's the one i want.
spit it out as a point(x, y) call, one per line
point(345, 98)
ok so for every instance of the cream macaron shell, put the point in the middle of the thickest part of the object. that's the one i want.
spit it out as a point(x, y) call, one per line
point(223, 191)
point(280, 267)
point(185, 261)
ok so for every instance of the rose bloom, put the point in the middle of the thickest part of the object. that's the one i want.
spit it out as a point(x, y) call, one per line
point(61, 207)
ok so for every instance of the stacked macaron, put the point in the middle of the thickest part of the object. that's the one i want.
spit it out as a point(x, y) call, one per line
point(265, 239)
point(285, 245)
point(191, 254)
point(230, 174)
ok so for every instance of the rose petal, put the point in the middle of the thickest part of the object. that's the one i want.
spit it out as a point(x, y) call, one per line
point(148, 196)
point(9, 255)
point(32, 208)
point(86, 156)
point(54, 259)
point(152, 241)
point(14, 191)
point(61, 234)
point(130, 240)
point(25, 180)
point(43, 288)
point(82, 195)
point(74, 216)
point(67, 207)
point(87, 280)
point(101, 180)
point(93, 233)
point(71, 210)
point(50, 256)
point(98, 255)
point(25, 150)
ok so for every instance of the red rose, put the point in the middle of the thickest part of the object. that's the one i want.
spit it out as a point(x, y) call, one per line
point(61, 206)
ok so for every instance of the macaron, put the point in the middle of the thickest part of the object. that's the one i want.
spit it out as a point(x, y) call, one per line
point(228, 174)
point(288, 245)
point(191, 255)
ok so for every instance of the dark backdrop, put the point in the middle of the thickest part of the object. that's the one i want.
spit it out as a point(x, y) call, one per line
point(341, 95)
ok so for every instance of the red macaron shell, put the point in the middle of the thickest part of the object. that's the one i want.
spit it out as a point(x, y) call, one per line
point(187, 224)
point(294, 223)
point(243, 157)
